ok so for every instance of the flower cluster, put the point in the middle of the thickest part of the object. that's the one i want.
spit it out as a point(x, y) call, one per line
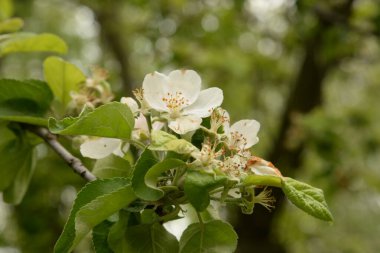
point(176, 104)
point(94, 91)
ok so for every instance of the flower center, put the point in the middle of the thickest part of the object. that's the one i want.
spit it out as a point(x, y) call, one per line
point(175, 102)
point(238, 140)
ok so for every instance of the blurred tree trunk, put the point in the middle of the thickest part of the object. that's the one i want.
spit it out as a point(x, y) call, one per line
point(256, 231)
point(107, 15)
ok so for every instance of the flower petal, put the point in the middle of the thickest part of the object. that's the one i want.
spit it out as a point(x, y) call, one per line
point(207, 100)
point(132, 104)
point(187, 82)
point(249, 130)
point(185, 124)
point(120, 151)
point(155, 86)
point(100, 147)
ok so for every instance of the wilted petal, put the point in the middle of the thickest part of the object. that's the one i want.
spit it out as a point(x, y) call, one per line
point(186, 82)
point(207, 100)
point(248, 129)
point(155, 88)
point(99, 148)
point(132, 104)
point(185, 124)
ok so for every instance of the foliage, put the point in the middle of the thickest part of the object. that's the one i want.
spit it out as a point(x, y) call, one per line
point(262, 55)
point(153, 192)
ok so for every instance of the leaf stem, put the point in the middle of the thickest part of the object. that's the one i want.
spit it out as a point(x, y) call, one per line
point(74, 162)
point(266, 180)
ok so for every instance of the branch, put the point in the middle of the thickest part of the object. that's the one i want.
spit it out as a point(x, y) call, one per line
point(74, 162)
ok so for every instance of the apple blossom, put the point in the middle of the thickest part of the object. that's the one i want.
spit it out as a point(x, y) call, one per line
point(179, 98)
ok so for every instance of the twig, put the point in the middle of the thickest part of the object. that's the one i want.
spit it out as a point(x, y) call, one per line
point(74, 162)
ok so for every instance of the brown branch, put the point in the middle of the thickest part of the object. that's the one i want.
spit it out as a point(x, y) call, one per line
point(74, 162)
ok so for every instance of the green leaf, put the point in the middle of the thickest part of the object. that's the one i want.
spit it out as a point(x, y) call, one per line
point(24, 119)
point(11, 25)
point(143, 164)
point(112, 166)
point(114, 120)
point(95, 202)
point(147, 182)
point(162, 141)
point(29, 97)
point(62, 77)
point(197, 187)
point(29, 42)
point(212, 237)
point(20, 184)
point(6, 9)
point(148, 238)
point(116, 234)
point(13, 157)
point(306, 197)
point(100, 237)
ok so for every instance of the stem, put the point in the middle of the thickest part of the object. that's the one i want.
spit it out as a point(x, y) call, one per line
point(274, 181)
point(74, 162)
point(172, 215)
point(200, 220)
point(137, 144)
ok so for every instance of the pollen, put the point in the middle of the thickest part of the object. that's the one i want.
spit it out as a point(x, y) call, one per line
point(175, 101)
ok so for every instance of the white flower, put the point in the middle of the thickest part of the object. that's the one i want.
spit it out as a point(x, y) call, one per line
point(132, 104)
point(99, 148)
point(179, 96)
point(243, 134)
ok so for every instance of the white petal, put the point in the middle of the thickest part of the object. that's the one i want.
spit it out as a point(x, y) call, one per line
point(207, 100)
point(187, 82)
point(99, 148)
point(141, 123)
point(120, 151)
point(185, 124)
point(157, 125)
point(155, 87)
point(132, 104)
point(249, 130)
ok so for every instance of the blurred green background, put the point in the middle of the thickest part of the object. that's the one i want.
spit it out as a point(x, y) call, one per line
point(308, 70)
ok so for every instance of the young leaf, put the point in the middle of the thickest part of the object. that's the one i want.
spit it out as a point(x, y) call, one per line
point(197, 187)
point(114, 120)
point(148, 238)
point(95, 202)
point(62, 77)
point(100, 237)
point(112, 166)
point(211, 237)
point(11, 25)
point(16, 191)
point(143, 164)
point(163, 141)
point(308, 198)
point(147, 182)
point(29, 42)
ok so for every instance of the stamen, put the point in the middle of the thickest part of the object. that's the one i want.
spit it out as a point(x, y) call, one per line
point(175, 101)
point(265, 199)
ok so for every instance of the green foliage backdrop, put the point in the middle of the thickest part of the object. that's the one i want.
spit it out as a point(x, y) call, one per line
point(316, 62)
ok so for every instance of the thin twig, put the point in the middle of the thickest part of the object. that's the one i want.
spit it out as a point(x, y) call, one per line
point(74, 162)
